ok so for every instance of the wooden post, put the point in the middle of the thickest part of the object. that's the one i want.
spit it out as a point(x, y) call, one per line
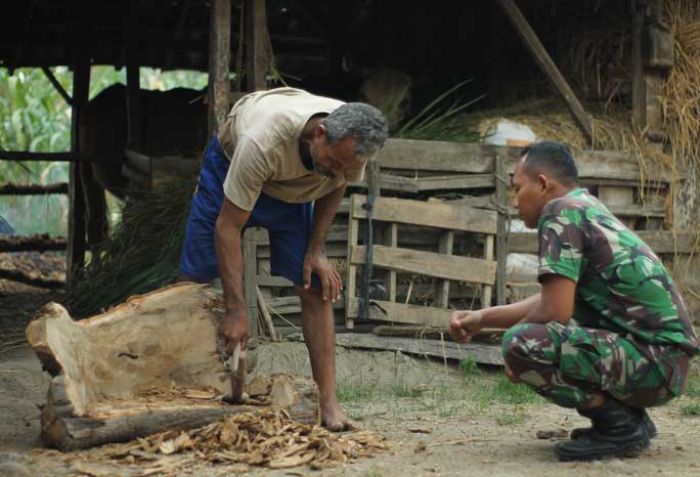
point(256, 44)
point(251, 237)
point(75, 258)
point(501, 239)
point(219, 62)
point(547, 65)
point(442, 287)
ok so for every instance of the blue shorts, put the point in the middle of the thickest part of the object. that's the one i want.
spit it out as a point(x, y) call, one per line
point(288, 225)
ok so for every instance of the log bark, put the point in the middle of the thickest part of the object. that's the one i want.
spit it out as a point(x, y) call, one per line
point(148, 365)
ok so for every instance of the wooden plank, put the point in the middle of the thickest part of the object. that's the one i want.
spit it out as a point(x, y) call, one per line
point(219, 62)
point(391, 279)
point(660, 241)
point(402, 313)
point(424, 184)
point(250, 273)
point(448, 267)
point(351, 278)
point(481, 353)
point(267, 319)
point(256, 44)
point(429, 214)
point(548, 66)
point(502, 202)
point(487, 290)
point(34, 189)
point(442, 287)
point(436, 156)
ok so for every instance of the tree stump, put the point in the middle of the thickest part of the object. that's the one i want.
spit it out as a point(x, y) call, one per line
point(148, 365)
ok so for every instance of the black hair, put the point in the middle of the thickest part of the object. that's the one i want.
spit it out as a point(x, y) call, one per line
point(551, 158)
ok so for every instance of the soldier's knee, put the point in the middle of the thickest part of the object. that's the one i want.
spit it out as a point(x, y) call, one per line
point(520, 341)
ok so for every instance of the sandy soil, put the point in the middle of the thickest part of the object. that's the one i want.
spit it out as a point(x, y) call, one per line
point(437, 422)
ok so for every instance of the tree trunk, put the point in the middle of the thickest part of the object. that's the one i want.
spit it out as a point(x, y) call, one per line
point(145, 366)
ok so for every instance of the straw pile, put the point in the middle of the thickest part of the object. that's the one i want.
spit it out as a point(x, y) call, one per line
point(681, 93)
point(142, 253)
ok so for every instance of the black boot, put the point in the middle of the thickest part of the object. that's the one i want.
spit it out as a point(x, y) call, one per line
point(648, 423)
point(618, 431)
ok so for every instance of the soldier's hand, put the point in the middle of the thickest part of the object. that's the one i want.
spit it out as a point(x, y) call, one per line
point(235, 328)
point(331, 283)
point(464, 324)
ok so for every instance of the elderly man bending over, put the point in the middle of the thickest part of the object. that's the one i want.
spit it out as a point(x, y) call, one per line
point(281, 161)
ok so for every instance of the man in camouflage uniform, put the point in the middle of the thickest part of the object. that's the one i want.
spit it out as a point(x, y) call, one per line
point(630, 340)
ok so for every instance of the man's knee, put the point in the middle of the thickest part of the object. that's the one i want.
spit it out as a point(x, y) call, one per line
point(520, 340)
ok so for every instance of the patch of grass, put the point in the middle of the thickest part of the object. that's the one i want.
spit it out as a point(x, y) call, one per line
point(374, 472)
point(507, 392)
point(469, 368)
point(692, 387)
point(347, 392)
point(405, 391)
point(692, 409)
point(511, 418)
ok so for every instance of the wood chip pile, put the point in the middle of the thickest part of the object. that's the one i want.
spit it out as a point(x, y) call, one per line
point(268, 438)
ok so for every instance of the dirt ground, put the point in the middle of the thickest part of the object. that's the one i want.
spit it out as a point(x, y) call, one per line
point(438, 419)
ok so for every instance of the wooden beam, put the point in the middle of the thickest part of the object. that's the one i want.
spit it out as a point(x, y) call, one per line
point(34, 189)
point(428, 214)
point(30, 278)
point(40, 156)
point(133, 77)
point(402, 313)
point(502, 184)
point(219, 62)
point(34, 243)
point(660, 241)
point(256, 44)
point(58, 86)
point(448, 267)
point(480, 353)
point(436, 156)
point(75, 255)
point(545, 62)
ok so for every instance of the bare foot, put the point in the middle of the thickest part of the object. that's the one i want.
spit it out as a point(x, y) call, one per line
point(334, 419)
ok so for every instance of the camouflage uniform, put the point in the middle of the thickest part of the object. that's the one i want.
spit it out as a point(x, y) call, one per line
point(631, 336)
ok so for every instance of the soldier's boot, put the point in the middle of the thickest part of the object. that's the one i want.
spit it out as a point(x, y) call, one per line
point(648, 423)
point(618, 431)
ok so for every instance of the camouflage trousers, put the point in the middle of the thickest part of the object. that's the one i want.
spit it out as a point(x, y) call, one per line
point(569, 364)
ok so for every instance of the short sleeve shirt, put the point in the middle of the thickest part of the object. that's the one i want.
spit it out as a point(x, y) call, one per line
point(265, 128)
point(621, 285)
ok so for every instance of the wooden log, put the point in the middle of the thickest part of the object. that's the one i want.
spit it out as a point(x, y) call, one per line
point(31, 278)
point(219, 62)
point(547, 65)
point(148, 365)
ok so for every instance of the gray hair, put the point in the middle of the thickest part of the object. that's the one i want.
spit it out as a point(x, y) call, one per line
point(361, 121)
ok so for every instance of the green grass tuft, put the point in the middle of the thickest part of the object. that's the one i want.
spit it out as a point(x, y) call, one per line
point(692, 409)
point(346, 392)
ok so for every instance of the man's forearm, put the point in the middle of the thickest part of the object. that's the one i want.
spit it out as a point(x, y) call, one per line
point(505, 316)
point(230, 258)
point(324, 211)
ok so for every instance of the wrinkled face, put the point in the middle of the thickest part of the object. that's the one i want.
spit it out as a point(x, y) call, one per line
point(530, 194)
point(334, 159)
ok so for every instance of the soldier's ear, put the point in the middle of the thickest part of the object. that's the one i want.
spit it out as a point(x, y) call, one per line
point(543, 182)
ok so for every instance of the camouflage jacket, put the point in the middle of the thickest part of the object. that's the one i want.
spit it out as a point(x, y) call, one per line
point(621, 285)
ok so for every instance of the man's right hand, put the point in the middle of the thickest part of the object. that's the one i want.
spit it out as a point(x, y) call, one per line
point(464, 324)
point(235, 328)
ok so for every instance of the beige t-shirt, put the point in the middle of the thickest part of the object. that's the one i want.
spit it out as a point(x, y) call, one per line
point(265, 128)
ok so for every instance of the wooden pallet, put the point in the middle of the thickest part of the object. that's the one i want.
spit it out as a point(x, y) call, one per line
point(442, 264)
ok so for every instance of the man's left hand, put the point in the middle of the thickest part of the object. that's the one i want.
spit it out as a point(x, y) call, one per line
point(331, 284)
